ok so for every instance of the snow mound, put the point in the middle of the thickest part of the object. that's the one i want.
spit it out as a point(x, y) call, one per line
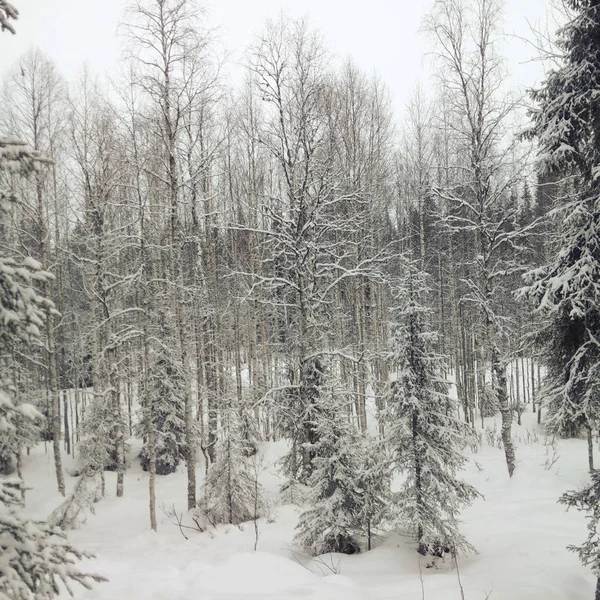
point(263, 575)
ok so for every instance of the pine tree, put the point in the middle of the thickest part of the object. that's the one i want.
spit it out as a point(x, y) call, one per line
point(424, 433)
point(566, 290)
point(96, 450)
point(37, 559)
point(22, 308)
point(374, 481)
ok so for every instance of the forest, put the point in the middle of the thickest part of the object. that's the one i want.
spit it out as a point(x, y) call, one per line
point(280, 312)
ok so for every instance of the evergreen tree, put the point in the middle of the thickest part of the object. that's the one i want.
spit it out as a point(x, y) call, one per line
point(35, 557)
point(374, 480)
point(566, 290)
point(344, 492)
point(22, 308)
point(424, 433)
point(96, 449)
point(232, 493)
point(168, 410)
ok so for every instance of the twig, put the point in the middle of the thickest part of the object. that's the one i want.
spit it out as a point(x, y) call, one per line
point(421, 579)
point(462, 591)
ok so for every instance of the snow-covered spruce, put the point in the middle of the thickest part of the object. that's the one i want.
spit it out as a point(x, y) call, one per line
point(424, 433)
point(166, 385)
point(347, 486)
point(36, 559)
point(232, 493)
point(566, 291)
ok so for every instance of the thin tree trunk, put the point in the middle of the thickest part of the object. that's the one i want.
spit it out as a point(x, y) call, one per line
point(501, 393)
point(60, 479)
point(590, 444)
point(66, 423)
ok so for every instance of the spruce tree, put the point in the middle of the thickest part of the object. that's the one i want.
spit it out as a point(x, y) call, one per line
point(374, 482)
point(35, 557)
point(232, 493)
point(566, 290)
point(166, 384)
point(347, 486)
point(424, 432)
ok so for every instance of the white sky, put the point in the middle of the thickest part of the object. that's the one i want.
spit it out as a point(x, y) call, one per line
point(381, 35)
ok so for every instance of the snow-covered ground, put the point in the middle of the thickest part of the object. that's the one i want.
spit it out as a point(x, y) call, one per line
point(520, 531)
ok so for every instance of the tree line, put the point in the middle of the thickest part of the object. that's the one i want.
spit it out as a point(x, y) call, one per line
point(284, 260)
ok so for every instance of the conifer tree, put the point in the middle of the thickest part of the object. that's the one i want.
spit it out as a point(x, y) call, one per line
point(423, 431)
point(232, 493)
point(374, 481)
point(166, 384)
point(35, 557)
point(566, 290)
point(345, 501)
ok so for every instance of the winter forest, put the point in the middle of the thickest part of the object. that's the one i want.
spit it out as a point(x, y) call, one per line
point(274, 340)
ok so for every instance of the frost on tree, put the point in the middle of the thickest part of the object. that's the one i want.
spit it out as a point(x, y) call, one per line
point(22, 312)
point(36, 560)
point(232, 493)
point(347, 485)
point(167, 386)
point(424, 433)
point(8, 13)
point(566, 290)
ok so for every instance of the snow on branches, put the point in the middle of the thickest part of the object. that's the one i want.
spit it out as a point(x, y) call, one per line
point(36, 560)
point(8, 13)
point(424, 434)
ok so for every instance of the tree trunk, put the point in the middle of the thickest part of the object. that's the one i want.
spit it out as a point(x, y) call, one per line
point(66, 423)
point(418, 488)
point(590, 444)
point(502, 396)
point(60, 479)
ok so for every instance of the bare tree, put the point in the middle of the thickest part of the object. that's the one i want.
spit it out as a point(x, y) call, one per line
point(471, 76)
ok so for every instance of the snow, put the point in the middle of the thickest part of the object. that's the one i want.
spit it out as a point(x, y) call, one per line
point(519, 530)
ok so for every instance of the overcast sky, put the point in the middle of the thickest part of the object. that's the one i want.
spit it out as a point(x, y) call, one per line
point(381, 35)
